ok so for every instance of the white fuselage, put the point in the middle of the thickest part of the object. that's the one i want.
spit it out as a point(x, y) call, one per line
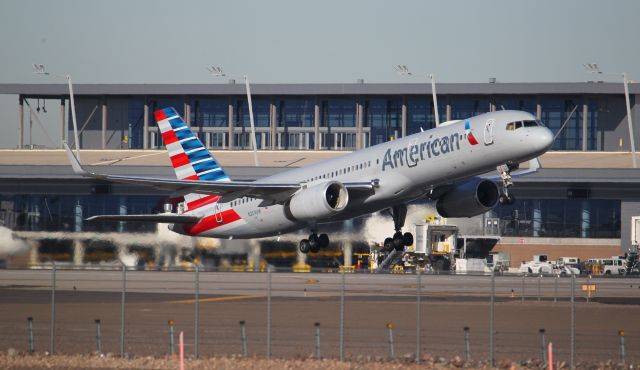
point(405, 169)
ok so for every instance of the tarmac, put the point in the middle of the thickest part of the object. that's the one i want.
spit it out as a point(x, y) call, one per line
point(298, 301)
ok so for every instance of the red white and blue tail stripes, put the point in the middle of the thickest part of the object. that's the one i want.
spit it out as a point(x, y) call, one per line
point(189, 158)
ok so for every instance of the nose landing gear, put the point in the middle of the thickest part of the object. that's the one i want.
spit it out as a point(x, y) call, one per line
point(505, 174)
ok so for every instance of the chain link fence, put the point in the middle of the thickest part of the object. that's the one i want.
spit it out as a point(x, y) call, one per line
point(333, 314)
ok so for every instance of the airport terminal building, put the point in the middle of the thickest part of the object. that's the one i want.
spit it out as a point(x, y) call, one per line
point(585, 194)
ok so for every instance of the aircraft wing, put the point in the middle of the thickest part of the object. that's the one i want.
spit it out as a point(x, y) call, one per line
point(162, 218)
point(277, 192)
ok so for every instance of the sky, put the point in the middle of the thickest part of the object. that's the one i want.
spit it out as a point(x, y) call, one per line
point(298, 41)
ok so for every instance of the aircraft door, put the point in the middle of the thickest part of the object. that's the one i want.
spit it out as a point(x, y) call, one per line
point(488, 132)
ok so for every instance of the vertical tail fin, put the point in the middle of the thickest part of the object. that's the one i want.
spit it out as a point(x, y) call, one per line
point(189, 158)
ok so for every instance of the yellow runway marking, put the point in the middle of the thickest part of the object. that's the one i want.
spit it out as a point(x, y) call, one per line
point(217, 299)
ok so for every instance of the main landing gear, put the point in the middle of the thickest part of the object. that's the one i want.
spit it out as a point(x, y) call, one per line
point(399, 240)
point(505, 174)
point(314, 243)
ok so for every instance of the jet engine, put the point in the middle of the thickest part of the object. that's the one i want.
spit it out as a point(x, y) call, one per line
point(318, 201)
point(469, 199)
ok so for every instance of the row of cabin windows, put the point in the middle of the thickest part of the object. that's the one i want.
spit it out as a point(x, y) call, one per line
point(240, 201)
point(342, 171)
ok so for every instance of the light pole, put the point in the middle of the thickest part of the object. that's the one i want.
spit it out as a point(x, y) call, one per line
point(593, 68)
point(39, 69)
point(403, 70)
point(217, 72)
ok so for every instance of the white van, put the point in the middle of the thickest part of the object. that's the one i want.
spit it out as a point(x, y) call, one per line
point(613, 266)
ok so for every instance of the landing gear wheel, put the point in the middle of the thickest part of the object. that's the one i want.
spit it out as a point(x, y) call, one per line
point(314, 243)
point(511, 199)
point(407, 239)
point(304, 246)
point(398, 241)
point(324, 240)
point(388, 244)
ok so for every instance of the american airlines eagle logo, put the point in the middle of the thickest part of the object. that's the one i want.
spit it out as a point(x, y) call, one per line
point(467, 131)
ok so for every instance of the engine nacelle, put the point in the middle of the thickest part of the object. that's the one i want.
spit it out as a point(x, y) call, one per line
point(318, 201)
point(469, 199)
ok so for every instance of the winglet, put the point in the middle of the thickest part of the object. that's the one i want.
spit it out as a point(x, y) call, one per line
point(75, 163)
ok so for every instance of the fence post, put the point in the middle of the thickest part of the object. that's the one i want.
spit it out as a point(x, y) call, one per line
point(342, 316)
point(524, 274)
point(392, 352)
point(573, 321)
point(543, 347)
point(52, 334)
point(588, 291)
point(555, 289)
point(317, 326)
point(491, 319)
point(171, 339)
point(30, 334)
point(243, 338)
point(268, 311)
point(196, 324)
point(181, 350)
point(622, 352)
point(467, 344)
point(418, 315)
point(539, 288)
point(122, 304)
point(98, 336)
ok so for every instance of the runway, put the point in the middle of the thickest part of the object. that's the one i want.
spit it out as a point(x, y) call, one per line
point(285, 284)
point(448, 303)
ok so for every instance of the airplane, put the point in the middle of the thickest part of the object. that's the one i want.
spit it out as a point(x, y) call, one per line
point(444, 164)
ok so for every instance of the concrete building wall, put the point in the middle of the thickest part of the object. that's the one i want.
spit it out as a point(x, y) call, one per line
point(629, 208)
point(612, 124)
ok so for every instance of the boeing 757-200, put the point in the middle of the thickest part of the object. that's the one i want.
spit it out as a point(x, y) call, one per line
point(443, 164)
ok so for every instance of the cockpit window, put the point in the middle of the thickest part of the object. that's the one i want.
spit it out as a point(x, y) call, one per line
point(518, 124)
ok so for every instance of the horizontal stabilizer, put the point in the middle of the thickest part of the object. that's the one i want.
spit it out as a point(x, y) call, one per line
point(167, 218)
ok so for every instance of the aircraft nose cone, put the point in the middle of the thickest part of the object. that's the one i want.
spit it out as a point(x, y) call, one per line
point(542, 139)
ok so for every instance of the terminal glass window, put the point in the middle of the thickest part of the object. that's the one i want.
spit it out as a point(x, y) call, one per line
point(463, 107)
point(161, 103)
point(296, 112)
point(213, 112)
point(54, 212)
point(522, 103)
point(419, 114)
point(136, 124)
point(339, 112)
point(555, 111)
point(261, 110)
point(560, 218)
point(592, 124)
point(383, 116)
